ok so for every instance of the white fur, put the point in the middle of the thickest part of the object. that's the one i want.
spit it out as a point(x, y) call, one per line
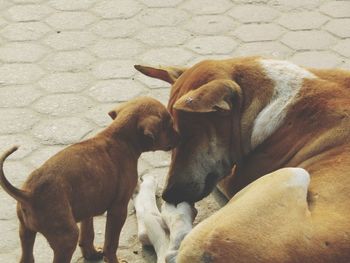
point(288, 79)
point(179, 220)
point(151, 228)
point(301, 178)
point(152, 224)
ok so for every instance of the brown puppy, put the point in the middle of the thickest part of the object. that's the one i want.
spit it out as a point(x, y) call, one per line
point(87, 179)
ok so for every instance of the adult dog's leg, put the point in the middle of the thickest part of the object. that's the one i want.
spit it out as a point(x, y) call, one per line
point(179, 220)
point(86, 240)
point(151, 228)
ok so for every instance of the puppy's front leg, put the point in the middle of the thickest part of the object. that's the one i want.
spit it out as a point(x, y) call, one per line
point(86, 240)
point(116, 217)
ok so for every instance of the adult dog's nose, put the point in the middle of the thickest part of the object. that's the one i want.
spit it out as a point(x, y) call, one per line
point(177, 194)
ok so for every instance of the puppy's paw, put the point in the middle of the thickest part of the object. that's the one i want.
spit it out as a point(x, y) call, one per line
point(92, 253)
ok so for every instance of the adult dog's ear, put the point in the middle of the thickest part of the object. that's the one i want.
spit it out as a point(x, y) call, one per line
point(168, 74)
point(217, 95)
point(149, 128)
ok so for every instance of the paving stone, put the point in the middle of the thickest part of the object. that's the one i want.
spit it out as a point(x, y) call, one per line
point(69, 5)
point(339, 27)
point(28, 12)
point(206, 7)
point(70, 40)
point(3, 22)
point(117, 9)
point(70, 20)
point(166, 56)
point(258, 32)
point(22, 52)
point(336, 8)
point(313, 40)
point(9, 73)
point(212, 45)
point(162, 16)
point(37, 158)
point(72, 61)
point(157, 158)
point(63, 104)
point(253, 13)
point(164, 36)
point(316, 59)
point(160, 3)
point(65, 82)
point(116, 90)
point(26, 145)
point(99, 114)
point(5, 4)
point(343, 47)
point(24, 31)
point(18, 96)
point(117, 28)
point(210, 25)
point(160, 94)
point(16, 120)
point(17, 171)
point(302, 20)
point(151, 82)
point(61, 130)
point(117, 48)
point(110, 69)
point(299, 5)
point(27, 1)
point(345, 65)
point(269, 49)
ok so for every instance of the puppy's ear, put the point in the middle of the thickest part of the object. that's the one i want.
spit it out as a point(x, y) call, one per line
point(149, 128)
point(217, 95)
point(113, 114)
point(168, 74)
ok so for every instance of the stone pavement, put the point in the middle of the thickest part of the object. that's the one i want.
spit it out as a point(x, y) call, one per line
point(65, 63)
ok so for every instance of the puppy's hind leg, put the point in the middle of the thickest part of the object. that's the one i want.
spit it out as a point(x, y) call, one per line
point(27, 237)
point(63, 239)
point(86, 240)
point(27, 242)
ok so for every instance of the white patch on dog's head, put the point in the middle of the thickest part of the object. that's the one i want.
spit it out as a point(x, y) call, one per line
point(288, 79)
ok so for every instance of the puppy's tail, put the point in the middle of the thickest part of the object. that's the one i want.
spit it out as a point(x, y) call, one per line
point(20, 195)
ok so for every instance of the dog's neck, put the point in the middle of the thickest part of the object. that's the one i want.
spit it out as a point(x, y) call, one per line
point(124, 132)
point(270, 87)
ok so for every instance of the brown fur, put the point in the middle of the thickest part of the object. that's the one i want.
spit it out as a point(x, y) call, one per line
point(315, 135)
point(87, 179)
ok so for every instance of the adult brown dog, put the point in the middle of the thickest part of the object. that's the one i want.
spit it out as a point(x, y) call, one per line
point(261, 115)
point(87, 179)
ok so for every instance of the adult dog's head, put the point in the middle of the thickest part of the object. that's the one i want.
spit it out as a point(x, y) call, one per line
point(205, 103)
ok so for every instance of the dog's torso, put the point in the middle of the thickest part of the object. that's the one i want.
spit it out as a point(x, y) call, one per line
point(85, 178)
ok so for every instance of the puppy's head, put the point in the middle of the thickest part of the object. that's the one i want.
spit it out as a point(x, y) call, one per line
point(151, 122)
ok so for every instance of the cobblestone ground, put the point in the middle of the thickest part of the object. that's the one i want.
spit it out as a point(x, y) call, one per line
point(64, 64)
